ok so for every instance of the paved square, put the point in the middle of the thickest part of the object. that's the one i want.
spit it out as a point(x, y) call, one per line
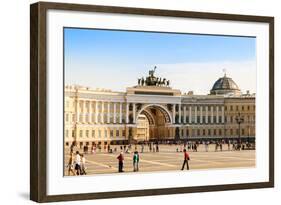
point(167, 159)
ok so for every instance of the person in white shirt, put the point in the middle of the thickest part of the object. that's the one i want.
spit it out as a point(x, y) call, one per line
point(78, 163)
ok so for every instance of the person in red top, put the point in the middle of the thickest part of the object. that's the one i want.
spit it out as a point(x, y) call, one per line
point(185, 161)
point(120, 162)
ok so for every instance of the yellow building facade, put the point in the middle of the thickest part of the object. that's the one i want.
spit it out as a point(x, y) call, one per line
point(157, 112)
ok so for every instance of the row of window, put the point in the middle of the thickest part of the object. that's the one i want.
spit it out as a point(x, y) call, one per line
point(220, 108)
point(95, 143)
point(232, 119)
point(204, 107)
point(216, 132)
point(93, 106)
point(86, 118)
point(205, 119)
point(239, 107)
point(215, 119)
point(96, 133)
point(198, 108)
point(99, 107)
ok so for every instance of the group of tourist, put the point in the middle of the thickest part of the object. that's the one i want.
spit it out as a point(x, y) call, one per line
point(147, 146)
point(136, 159)
point(76, 164)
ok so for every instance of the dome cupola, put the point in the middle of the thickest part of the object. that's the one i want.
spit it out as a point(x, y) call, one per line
point(225, 86)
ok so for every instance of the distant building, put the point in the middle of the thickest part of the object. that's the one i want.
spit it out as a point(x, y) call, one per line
point(154, 111)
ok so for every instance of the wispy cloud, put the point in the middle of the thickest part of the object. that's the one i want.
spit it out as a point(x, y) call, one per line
point(198, 77)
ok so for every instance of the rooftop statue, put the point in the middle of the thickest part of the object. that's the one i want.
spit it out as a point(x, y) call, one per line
point(151, 72)
point(152, 80)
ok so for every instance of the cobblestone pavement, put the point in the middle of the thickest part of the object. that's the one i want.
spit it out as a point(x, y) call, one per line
point(167, 159)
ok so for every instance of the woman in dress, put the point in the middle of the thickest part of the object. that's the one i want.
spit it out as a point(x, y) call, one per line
point(70, 165)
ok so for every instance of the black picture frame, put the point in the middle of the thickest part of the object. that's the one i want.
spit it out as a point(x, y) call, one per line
point(38, 100)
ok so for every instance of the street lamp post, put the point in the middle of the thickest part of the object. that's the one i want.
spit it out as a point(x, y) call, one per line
point(248, 134)
point(239, 119)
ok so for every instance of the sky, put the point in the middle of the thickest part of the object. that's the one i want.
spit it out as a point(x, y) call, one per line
point(192, 62)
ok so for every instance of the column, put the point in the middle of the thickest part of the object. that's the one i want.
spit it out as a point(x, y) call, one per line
point(184, 114)
point(90, 111)
point(81, 119)
point(179, 113)
point(195, 113)
point(120, 113)
point(134, 112)
point(127, 113)
point(212, 115)
point(78, 112)
point(222, 114)
point(96, 112)
point(180, 130)
point(108, 112)
point(174, 113)
point(201, 115)
point(217, 110)
point(114, 112)
point(102, 112)
point(206, 114)
point(190, 114)
point(84, 112)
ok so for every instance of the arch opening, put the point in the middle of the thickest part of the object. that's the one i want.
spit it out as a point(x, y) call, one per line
point(153, 124)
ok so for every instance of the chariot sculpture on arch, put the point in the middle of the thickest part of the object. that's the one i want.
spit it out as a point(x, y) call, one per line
point(152, 80)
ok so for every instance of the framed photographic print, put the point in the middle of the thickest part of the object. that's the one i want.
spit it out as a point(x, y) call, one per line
point(134, 102)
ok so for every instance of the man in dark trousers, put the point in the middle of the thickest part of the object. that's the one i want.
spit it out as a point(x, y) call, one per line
point(185, 161)
point(120, 162)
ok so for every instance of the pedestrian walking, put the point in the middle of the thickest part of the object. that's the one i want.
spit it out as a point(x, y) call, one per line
point(120, 162)
point(195, 147)
point(136, 159)
point(78, 163)
point(71, 148)
point(87, 149)
point(93, 149)
point(83, 165)
point(228, 146)
point(70, 165)
point(154, 148)
point(207, 146)
point(185, 161)
point(142, 148)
